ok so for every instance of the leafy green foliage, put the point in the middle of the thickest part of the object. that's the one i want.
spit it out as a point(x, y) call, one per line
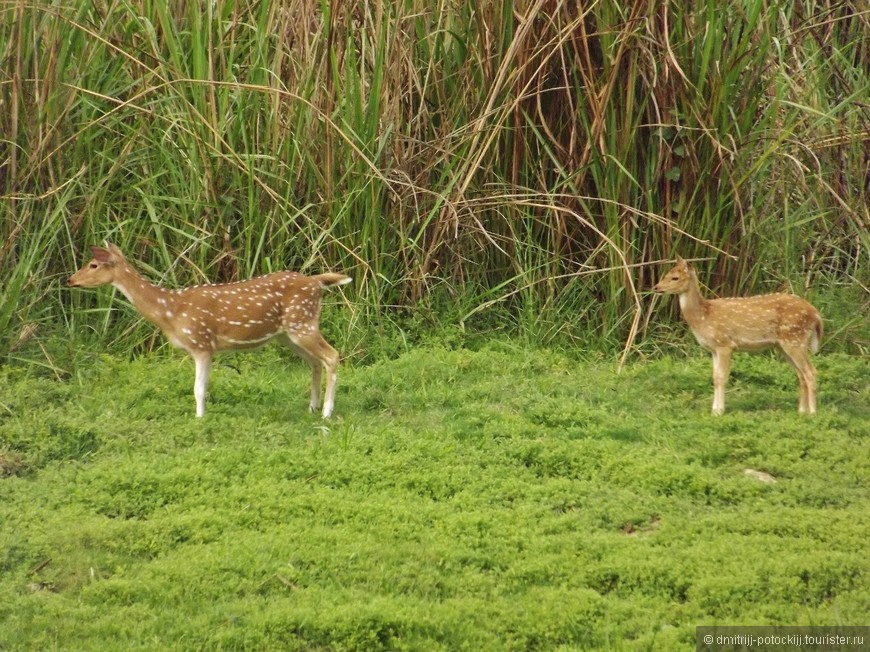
point(506, 498)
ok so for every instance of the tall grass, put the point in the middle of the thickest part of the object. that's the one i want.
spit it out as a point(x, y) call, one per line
point(522, 165)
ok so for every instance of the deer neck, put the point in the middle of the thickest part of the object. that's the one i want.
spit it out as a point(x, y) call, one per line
point(692, 304)
point(153, 302)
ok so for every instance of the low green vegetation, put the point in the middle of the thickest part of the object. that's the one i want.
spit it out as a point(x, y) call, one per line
point(498, 499)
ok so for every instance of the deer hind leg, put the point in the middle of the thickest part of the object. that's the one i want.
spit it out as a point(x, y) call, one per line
point(200, 386)
point(316, 368)
point(721, 367)
point(799, 359)
point(317, 351)
point(810, 376)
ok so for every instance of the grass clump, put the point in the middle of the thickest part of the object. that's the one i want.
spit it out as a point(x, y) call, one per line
point(504, 498)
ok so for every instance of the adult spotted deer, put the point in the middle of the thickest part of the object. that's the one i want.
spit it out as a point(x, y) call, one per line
point(206, 319)
point(748, 324)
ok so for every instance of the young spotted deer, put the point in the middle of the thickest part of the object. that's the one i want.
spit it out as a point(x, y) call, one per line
point(748, 324)
point(206, 319)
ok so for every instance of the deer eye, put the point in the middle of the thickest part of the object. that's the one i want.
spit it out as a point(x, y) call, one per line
point(93, 266)
point(675, 278)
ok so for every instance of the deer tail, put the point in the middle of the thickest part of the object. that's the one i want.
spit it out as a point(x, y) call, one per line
point(816, 334)
point(330, 279)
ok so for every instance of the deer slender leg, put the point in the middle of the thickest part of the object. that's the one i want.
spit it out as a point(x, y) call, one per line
point(806, 373)
point(721, 367)
point(316, 369)
point(314, 347)
point(203, 370)
point(810, 375)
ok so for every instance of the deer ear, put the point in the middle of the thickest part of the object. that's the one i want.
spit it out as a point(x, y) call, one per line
point(680, 261)
point(101, 255)
point(115, 251)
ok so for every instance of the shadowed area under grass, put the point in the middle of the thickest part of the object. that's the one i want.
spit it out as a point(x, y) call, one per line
point(502, 499)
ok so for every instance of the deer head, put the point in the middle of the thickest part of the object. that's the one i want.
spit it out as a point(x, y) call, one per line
point(677, 280)
point(101, 269)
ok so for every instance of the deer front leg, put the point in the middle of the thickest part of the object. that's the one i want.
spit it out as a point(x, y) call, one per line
point(203, 369)
point(721, 367)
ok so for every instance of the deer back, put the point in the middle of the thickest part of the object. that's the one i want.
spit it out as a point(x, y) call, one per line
point(756, 322)
point(244, 314)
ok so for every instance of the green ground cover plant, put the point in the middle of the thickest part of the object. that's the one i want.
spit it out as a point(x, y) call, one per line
point(505, 498)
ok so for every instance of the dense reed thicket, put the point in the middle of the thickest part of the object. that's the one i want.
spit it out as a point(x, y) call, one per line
point(522, 162)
